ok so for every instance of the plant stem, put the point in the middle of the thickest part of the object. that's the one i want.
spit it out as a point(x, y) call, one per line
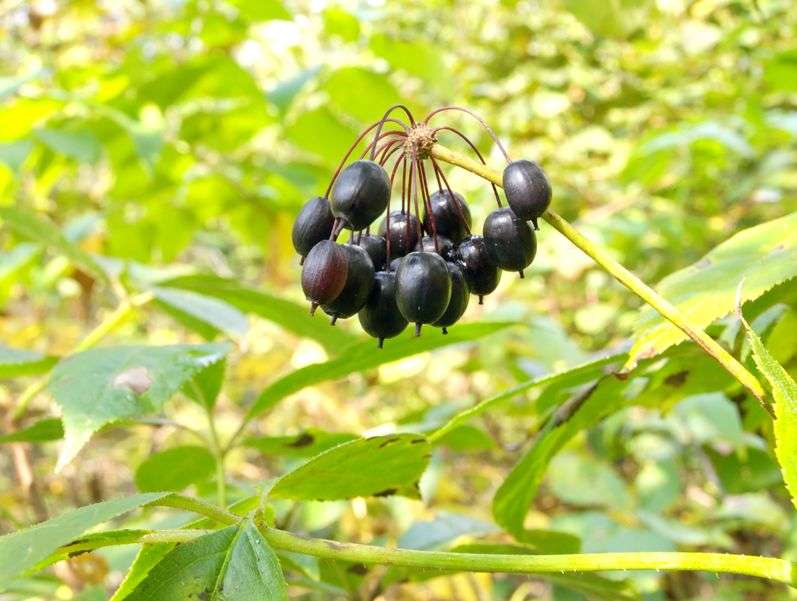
point(197, 506)
point(763, 567)
point(602, 257)
point(105, 327)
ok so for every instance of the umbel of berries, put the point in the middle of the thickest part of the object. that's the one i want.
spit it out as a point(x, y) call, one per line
point(423, 262)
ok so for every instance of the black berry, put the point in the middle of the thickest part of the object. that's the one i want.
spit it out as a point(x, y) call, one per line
point(527, 190)
point(423, 288)
point(445, 248)
point(357, 287)
point(460, 295)
point(450, 221)
point(480, 272)
point(375, 247)
point(405, 231)
point(511, 243)
point(313, 224)
point(324, 273)
point(361, 193)
point(380, 316)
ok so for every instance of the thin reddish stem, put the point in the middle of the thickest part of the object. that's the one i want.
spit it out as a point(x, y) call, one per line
point(451, 195)
point(382, 121)
point(479, 119)
point(427, 203)
point(475, 150)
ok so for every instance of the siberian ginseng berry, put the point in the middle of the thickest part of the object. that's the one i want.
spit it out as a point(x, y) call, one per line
point(527, 190)
point(423, 288)
point(376, 249)
point(480, 272)
point(359, 280)
point(324, 273)
point(361, 193)
point(380, 317)
point(511, 243)
point(404, 232)
point(460, 295)
point(451, 216)
point(313, 224)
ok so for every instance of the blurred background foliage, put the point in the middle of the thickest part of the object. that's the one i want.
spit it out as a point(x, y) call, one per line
point(175, 136)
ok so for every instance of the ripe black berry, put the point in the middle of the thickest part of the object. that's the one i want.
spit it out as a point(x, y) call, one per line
point(394, 263)
point(375, 247)
point(313, 224)
point(511, 243)
point(359, 280)
point(460, 295)
point(405, 231)
point(423, 288)
point(527, 190)
point(380, 316)
point(481, 274)
point(360, 194)
point(450, 222)
point(445, 248)
point(324, 273)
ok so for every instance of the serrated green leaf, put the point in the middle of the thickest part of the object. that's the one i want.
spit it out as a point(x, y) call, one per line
point(21, 362)
point(175, 468)
point(233, 563)
point(364, 356)
point(206, 315)
point(204, 387)
point(41, 431)
point(304, 444)
point(103, 385)
point(21, 550)
point(40, 229)
point(513, 498)
point(377, 466)
point(291, 316)
point(784, 392)
point(764, 255)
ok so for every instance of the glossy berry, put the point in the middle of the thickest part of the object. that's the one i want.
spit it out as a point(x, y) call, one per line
point(359, 280)
point(445, 248)
point(380, 316)
point(423, 288)
point(404, 234)
point(394, 263)
point(481, 274)
point(448, 219)
point(324, 273)
point(511, 243)
point(361, 193)
point(375, 247)
point(313, 224)
point(460, 295)
point(527, 190)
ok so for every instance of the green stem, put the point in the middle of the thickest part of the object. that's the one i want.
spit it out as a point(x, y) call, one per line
point(105, 327)
point(197, 506)
point(602, 257)
point(763, 567)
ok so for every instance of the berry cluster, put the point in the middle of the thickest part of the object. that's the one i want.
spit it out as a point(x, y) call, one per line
point(423, 262)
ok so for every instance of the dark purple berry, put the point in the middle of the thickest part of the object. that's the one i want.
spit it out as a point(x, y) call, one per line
point(450, 222)
point(460, 295)
point(375, 247)
point(380, 316)
point(359, 280)
point(361, 193)
point(324, 273)
point(527, 190)
point(423, 288)
point(481, 274)
point(394, 263)
point(445, 248)
point(511, 243)
point(405, 231)
point(313, 224)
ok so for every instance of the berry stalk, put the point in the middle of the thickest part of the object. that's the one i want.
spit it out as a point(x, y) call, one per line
point(628, 279)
